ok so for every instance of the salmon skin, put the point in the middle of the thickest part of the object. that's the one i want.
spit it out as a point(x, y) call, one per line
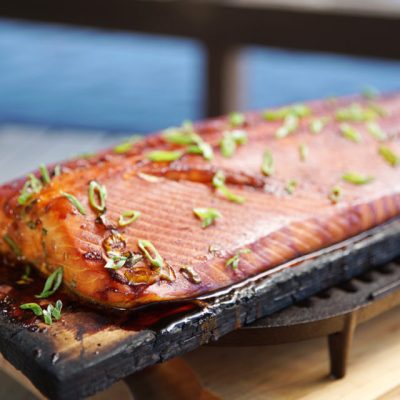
point(194, 209)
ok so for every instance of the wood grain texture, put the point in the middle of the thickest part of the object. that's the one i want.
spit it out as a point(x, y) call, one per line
point(88, 351)
point(300, 370)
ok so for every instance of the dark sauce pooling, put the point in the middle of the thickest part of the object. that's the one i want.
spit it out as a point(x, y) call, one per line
point(78, 316)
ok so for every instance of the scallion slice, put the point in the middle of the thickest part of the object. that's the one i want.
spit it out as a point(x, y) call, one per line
point(164, 155)
point(151, 253)
point(335, 194)
point(12, 245)
point(376, 131)
point(74, 201)
point(350, 133)
point(97, 196)
point(219, 183)
point(236, 119)
point(45, 174)
point(389, 155)
point(356, 178)
point(53, 282)
point(234, 261)
point(303, 152)
point(127, 217)
point(207, 215)
point(268, 163)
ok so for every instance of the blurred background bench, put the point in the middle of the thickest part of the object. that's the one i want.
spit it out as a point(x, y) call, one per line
point(74, 77)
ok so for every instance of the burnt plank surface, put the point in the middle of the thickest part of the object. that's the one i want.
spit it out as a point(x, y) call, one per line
point(89, 350)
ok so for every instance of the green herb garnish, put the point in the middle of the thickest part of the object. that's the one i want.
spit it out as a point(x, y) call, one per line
point(357, 179)
point(26, 276)
point(376, 131)
point(219, 183)
point(34, 307)
point(74, 201)
point(127, 217)
point(48, 313)
point(32, 186)
point(335, 194)
point(57, 170)
point(236, 119)
point(52, 283)
point(45, 174)
point(290, 124)
point(206, 215)
point(97, 196)
point(115, 260)
point(268, 164)
point(127, 145)
point(303, 151)
point(318, 124)
point(356, 113)
point(164, 155)
point(349, 133)
point(12, 245)
point(230, 141)
point(151, 253)
point(389, 155)
point(233, 262)
point(298, 110)
point(291, 186)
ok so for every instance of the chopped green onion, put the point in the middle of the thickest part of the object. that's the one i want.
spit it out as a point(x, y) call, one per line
point(349, 133)
point(240, 136)
point(291, 186)
point(25, 278)
point(53, 282)
point(376, 131)
point(115, 261)
point(233, 262)
point(45, 173)
point(182, 136)
point(34, 307)
point(56, 310)
point(298, 110)
point(303, 151)
point(389, 155)
point(230, 141)
point(219, 183)
point(236, 119)
point(357, 179)
point(127, 145)
point(318, 124)
point(228, 146)
point(57, 170)
point(97, 192)
point(335, 194)
point(31, 186)
point(356, 113)
point(151, 253)
point(74, 201)
point(163, 155)
point(290, 124)
point(207, 215)
point(127, 217)
point(268, 164)
point(205, 150)
point(47, 315)
point(12, 245)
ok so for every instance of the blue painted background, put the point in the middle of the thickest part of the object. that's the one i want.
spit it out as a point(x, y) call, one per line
point(62, 76)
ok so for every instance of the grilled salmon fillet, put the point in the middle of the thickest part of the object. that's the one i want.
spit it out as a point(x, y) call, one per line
point(197, 208)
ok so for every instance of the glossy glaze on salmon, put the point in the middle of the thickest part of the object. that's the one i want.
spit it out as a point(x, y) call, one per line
point(298, 204)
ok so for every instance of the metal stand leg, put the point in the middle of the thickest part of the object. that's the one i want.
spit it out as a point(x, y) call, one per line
point(339, 346)
point(222, 80)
